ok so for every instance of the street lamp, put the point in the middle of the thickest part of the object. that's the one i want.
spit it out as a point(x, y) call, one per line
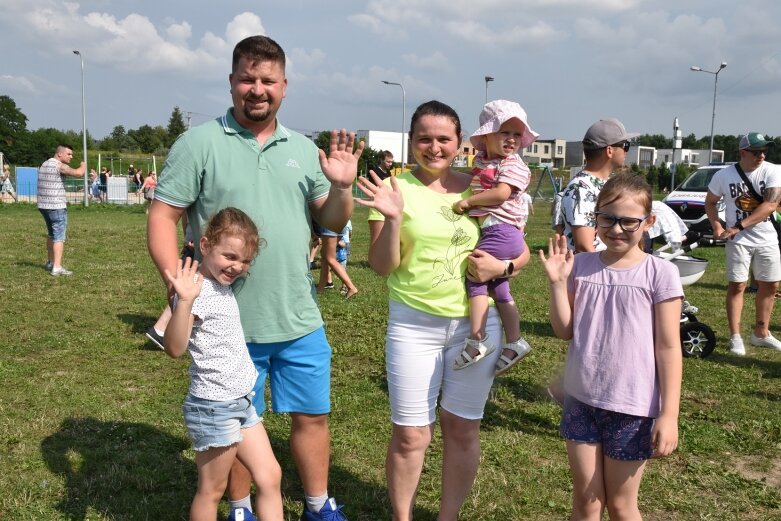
point(487, 79)
point(83, 128)
point(403, 119)
point(715, 83)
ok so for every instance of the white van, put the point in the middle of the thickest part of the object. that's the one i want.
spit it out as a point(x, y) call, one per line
point(688, 200)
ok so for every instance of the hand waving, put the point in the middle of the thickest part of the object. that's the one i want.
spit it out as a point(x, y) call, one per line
point(385, 199)
point(559, 263)
point(341, 164)
point(187, 282)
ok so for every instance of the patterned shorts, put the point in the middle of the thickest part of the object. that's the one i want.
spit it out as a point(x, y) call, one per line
point(622, 436)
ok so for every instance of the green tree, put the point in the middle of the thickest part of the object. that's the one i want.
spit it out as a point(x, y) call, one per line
point(175, 127)
point(13, 130)
point(654, 140)
point(147, 139)
point(652, 176)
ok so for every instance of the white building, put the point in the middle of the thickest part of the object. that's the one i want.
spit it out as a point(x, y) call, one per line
point(687, 156)
point(391, 141)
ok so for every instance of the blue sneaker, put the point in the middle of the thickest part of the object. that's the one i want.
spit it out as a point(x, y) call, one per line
point(241, 514)
point(329, 512)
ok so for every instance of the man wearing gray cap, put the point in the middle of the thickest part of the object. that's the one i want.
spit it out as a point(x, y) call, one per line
point(752, 240)
point(605, 146)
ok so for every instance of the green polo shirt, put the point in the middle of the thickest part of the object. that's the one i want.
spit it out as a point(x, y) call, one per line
point(220, 164)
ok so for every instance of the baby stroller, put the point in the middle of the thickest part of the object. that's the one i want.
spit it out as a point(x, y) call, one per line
point(697, 339)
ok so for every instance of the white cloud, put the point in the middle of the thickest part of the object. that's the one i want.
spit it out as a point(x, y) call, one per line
point(179, 33)
point(435, 62)
point(13, 84)
point(243, 25)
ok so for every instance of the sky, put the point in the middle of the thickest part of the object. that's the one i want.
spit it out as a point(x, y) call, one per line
point(567, 62)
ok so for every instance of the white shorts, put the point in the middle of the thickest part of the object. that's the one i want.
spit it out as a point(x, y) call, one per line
point(420, 350)
point(765, 262)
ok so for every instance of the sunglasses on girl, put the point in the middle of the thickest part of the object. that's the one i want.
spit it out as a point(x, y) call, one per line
point(628, 224)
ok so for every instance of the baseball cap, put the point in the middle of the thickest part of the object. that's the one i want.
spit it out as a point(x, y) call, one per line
point(494, 115)
point(606, 132)
point(753, 140)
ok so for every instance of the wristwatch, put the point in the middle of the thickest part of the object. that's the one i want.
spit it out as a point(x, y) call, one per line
point(509, 267)
point(739, 226)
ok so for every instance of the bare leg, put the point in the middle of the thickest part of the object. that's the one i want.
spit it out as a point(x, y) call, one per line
point(57, 249)
point(766, 293)
point(239, 481)
point(735, 306)
point(162, 321)
point(460, 460)
point(50, 250)
point(310, 446)
point(213, 467)
point(328, 256)
point(511, 323)
point(478, 315)
point(403, 465)
point(622, 485)
point(256, 454)
point(588, 489)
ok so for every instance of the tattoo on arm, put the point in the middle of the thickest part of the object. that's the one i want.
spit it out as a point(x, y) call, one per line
point(773, 195)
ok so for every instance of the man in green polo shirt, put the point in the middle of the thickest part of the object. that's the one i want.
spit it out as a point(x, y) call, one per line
point(248, 160)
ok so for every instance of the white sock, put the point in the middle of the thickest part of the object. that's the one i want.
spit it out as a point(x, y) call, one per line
point(244, 502)
point(315, 504)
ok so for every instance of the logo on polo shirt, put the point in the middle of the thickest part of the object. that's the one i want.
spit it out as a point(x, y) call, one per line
point(292, 163)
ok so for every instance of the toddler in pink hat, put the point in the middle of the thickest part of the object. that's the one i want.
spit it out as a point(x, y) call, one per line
point(500, 180)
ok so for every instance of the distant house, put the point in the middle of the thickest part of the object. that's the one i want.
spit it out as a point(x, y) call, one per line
point(546, 152)
point(641, 156)
point(687, 156)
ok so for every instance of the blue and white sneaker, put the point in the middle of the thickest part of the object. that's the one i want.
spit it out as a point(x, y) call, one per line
point(329, 512)
point(241, 514)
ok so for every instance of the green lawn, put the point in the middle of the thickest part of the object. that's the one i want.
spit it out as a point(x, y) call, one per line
point(90, 413)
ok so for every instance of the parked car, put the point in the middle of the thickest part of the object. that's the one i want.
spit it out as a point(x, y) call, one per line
point(688, 201)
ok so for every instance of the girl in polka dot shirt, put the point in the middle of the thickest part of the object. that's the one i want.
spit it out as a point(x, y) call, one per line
point(218, 410)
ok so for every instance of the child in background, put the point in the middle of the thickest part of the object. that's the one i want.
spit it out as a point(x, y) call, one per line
point(343, 250)
point(500, 180)
point(218, 410)
point(620, 310)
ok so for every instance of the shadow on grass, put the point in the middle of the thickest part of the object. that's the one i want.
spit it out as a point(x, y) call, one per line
point(769, 368)
point(138, 322)
point(27, 264)
point(123, 470)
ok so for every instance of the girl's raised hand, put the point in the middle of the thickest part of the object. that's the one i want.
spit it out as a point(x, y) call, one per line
point(385, 199)
point(559, 263)
point(187, 282)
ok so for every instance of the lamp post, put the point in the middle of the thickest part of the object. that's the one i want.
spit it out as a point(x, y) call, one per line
point(403, 119)
point(715, 84)
point(487, 79)
point(83, 128)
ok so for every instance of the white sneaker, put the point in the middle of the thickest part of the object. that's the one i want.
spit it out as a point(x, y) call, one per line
point(769, 341)
point(736, 346)
point(56, 272)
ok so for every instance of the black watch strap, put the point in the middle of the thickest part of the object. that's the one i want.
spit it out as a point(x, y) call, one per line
point(739, 226)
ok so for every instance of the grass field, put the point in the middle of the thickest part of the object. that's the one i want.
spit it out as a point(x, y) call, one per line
point(90, 413)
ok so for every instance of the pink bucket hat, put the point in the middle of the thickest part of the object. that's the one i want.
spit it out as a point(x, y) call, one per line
point(494, 115)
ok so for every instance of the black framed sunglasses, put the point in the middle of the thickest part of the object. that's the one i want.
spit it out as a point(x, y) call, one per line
point(628, 224)
point(757, 153)
point(624, 144)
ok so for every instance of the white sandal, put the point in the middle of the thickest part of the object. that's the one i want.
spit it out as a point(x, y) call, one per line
point(464, 359)
point(521, 348)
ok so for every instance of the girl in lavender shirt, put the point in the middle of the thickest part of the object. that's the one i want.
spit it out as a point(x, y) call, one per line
point(620, 310)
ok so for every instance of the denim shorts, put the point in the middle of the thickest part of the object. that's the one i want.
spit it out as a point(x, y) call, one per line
point(218, 424)
point(299, 371)
point(622, 436)
point(324, 232)
point(56, 223)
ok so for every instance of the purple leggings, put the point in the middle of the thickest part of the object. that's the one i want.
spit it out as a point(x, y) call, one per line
point(503, 241)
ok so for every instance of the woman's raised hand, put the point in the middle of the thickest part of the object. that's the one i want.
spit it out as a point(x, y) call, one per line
point(560, 259)
point(385, 199)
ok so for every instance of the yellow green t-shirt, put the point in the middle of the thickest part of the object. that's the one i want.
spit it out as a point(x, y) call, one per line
point(435, 243)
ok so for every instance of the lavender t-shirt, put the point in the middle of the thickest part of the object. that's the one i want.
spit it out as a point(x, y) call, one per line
point(611, 362)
